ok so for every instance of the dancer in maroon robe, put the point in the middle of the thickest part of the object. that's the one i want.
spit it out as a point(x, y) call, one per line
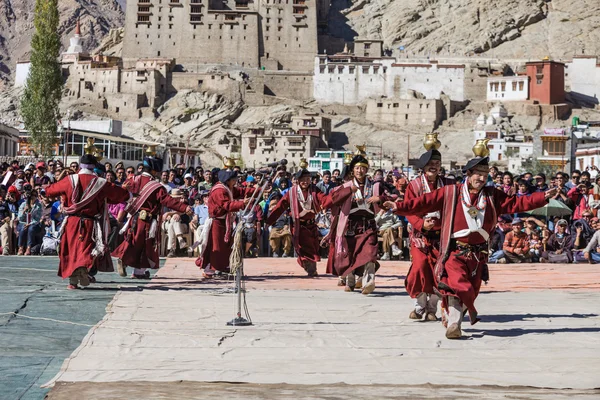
point(81, 233)
point(305, 201)
point(217, 241)
point(142, 231)
point(425, 239)
point(355, 235)
point(469, 215)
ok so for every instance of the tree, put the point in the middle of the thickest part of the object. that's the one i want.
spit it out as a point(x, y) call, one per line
point(43, 90)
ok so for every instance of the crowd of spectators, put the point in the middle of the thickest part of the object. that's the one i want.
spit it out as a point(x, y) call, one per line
point(30, 221)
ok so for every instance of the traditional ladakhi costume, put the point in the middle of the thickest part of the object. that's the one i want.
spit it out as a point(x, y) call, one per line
point(217, 237)
point(83, 231)
point(468, 220)
point(304, 228)
point(353, 247)
point(142, 231)
point(424, 244)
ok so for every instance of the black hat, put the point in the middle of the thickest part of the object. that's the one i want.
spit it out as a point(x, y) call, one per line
point(226, 174)
point(88, 159)
point(155, 164)
point(475, 162)
point(302, 172)
point(100, 168)
point(360, 160)
point(430, 155)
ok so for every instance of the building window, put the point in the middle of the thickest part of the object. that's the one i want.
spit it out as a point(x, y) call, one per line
point(367, 46)
point(514, 86)
point(379, 105)
point(521, 84)
point(539, 81)
point(503, 86)
point(365, 70)
point(396, 105)
point(552, 148)
point(351, 69)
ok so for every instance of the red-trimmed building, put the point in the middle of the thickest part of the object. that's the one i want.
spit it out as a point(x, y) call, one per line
point(546, 81)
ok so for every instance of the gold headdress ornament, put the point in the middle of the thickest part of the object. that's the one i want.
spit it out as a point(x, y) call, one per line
point(228, 162)
point(480, 149)
point(151, 150)
point(90, 148)
point(431, 141)
point(303, 163)
point(348, 158)
point(361, 149)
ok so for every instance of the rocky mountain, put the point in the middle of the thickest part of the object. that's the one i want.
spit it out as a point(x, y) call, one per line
point(504, 28)
point(97, 17)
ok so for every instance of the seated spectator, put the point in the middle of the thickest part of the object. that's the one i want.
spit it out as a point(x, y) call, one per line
point(388, 225)
point(176, 225)
point(516, 244)
point(497, 242)
point(30, 215)
point(280, 237)
point(559, 245)
point(533, 224)
point(592, 250)
point(200, 214)
point(6, 218)
point(536, 246)
point(540, 183)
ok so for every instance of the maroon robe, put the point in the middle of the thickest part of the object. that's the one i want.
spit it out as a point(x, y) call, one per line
point(461, 275)
point(304, 230)
point(220, 242)
point(138, 250)
point(360, 237)
point(76, 243)
point(424, 245)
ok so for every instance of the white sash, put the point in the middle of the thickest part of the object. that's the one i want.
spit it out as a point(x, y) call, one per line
point(426, 189)
point(305, 203)
point(360, 199)
point(475, 224)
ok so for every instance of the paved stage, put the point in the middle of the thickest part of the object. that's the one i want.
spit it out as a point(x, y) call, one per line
point(539, 336)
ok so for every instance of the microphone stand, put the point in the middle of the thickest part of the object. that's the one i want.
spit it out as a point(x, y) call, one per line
point(236, 259)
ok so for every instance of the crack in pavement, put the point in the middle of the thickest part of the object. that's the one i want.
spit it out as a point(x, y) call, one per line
point(222, 339)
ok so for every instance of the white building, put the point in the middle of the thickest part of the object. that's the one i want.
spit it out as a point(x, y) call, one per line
point(508, 88)
point(326, 160)
point(22, 73)
point(511, 150)
point(584, 74)
point(9, 141)
point(299, 139)
point(75, 50)
point(347, 79)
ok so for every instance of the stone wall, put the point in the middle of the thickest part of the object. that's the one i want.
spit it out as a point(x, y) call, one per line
point(353, 83)
point(297, 86)
point(414, 112)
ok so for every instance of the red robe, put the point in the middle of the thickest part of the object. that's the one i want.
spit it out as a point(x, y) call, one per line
point(362, 244)
point(138, 250)
point(76, 243)
point(462, 273)
point(307, 245)
point(424, 245)
point(219, 246)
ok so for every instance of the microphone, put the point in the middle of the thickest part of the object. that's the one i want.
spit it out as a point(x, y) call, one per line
point(277, 163)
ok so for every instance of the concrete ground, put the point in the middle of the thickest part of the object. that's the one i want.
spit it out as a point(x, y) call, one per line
point(539, 337)
point(41, 322)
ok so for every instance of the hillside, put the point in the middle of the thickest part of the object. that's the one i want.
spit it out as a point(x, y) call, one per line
point(97, 17)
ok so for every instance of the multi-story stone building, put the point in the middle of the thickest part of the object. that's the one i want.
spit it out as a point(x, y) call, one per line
point(269, 34)
point(299, 139)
